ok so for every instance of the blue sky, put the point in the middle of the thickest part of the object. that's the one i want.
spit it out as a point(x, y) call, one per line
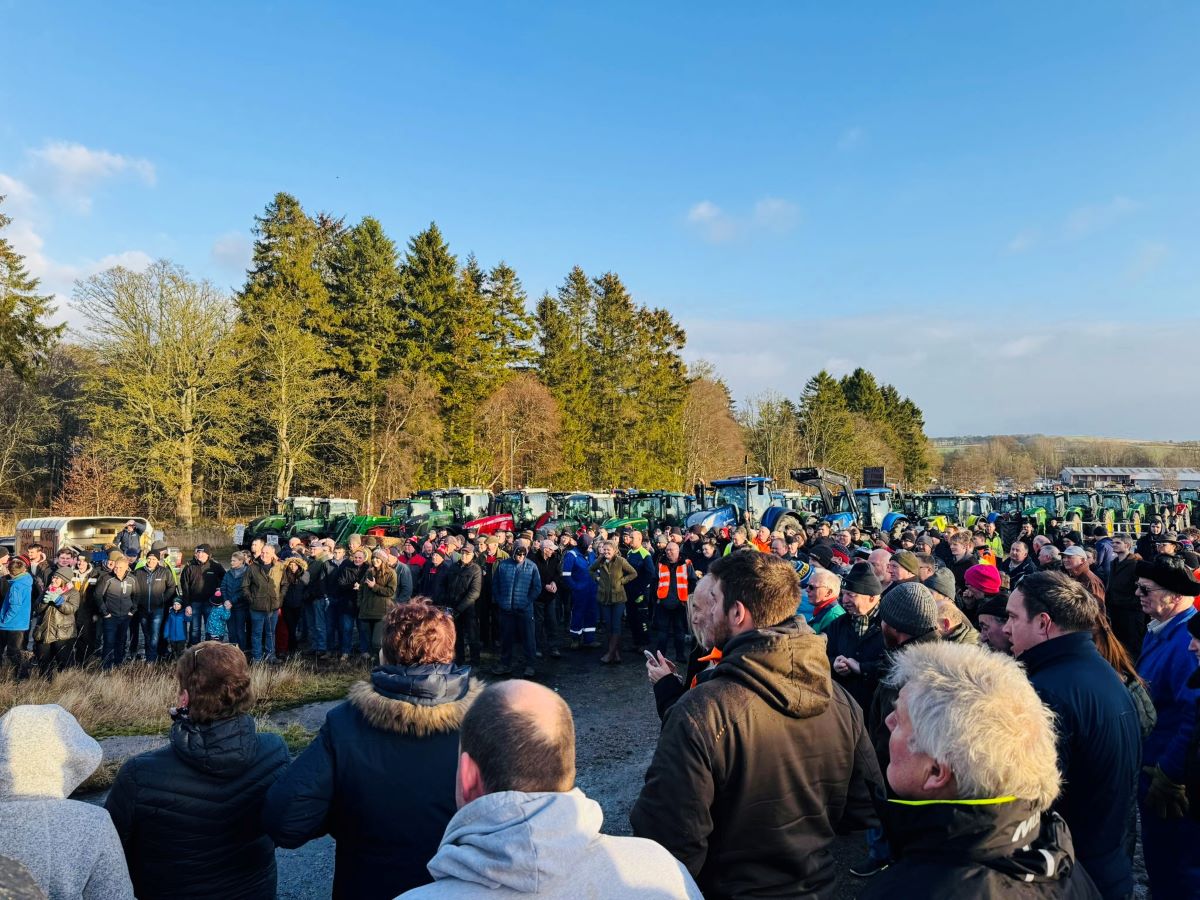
point(993, 206)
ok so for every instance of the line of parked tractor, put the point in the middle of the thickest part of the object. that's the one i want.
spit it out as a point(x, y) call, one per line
point(751, 500)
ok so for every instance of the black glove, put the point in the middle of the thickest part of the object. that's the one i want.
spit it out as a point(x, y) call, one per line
point(1166, 798)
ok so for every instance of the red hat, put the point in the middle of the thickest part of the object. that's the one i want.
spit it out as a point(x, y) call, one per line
point(983, 578)
point(842, 556)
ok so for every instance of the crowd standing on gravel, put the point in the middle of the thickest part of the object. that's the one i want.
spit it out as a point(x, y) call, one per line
point(998, 720)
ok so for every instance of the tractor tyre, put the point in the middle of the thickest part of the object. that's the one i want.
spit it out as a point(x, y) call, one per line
point(788, 521)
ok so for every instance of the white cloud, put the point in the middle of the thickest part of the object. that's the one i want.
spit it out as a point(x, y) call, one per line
point(30, 221)
point(852, 138)
point(754, 355)
point(232, 251)
point(717, 226)
point(73, 171)
point(775, 214)
point(712, 222)
point(1087, 220)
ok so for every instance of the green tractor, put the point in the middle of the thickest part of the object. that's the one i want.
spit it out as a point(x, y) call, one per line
point(1116, 514)
point(1082, 510)
point(978, 508)
point(1149, 503)
point(279, 522)
point(326, 518)
point(450, 508)
point(937, 509)
point(1040, 507)
point(648, 510)
point(576, 511)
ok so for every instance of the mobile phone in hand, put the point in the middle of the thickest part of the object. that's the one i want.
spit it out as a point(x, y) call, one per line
point(650, 656)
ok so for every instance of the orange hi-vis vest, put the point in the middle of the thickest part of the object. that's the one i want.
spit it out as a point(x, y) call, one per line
point(681, 581)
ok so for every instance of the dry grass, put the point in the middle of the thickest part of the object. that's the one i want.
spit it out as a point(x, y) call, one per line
point(135, 699)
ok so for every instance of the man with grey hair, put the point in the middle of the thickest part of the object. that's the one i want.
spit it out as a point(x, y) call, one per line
point(1050, 622)
point(1049, 559)
point(972, 765)
point(824, 589)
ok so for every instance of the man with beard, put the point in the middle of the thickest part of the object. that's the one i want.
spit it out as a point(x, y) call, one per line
point(735, 791)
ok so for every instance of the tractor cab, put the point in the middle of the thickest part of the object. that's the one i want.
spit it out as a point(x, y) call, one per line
point(741, 500)
point(1040, 507)
point(648, 510)
point(938, 509)
point(576, 511)
point(513, 510)
point(1082, 508)
point(876, 509)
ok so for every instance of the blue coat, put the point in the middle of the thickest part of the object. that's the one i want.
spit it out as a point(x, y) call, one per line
point(403, 724)
point(14, 612)
point(515, 587)
point(1166, 665)
point(1099, 752)
point(575, 572)
point(176, 628)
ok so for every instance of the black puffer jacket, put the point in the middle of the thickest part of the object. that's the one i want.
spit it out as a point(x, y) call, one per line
point(188, 814)
point(404, 725)
point(948, 849)
point(758, 767)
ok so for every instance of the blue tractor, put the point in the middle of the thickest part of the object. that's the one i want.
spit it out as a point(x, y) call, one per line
point(842, 506)
point(742, 500)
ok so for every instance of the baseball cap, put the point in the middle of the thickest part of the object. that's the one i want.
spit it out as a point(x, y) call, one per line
point(1075, 551)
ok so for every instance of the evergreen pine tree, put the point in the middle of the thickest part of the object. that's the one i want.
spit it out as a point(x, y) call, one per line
point(512, 327)
point(825, 424)
point(25, 338)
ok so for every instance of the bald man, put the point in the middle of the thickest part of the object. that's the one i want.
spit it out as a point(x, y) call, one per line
point(517, 802)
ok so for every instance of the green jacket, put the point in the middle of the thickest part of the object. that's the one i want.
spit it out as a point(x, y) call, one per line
point(826, 619)
point(373, 602)
point(611, 578)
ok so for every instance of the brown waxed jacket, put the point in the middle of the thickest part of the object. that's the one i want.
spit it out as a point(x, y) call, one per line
point(758, 767)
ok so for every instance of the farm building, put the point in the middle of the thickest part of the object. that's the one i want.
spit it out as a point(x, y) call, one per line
point(1133, 476)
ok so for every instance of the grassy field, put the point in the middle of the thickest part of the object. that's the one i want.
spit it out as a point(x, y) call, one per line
point(134, 699)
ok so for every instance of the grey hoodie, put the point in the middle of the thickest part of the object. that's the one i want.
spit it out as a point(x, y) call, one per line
point(71, 848)
point(511, 844)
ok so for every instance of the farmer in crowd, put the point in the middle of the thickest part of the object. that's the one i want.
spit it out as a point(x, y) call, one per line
point(973, 773)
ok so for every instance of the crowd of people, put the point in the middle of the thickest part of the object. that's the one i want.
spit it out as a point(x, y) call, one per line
point(999, 718)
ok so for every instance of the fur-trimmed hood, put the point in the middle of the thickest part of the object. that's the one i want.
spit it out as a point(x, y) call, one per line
point(415, 700)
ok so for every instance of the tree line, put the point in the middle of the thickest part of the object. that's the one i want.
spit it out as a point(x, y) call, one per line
point(347, 366)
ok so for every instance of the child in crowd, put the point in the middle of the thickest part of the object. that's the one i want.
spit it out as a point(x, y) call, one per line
point(217, 624)
point(179, 621)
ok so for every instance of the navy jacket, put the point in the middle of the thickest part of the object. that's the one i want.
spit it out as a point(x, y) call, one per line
point(515, 587)
point(379, 778)
point(1099, 752)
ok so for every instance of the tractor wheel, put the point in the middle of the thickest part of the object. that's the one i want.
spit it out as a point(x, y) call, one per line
point(1135, 520)
point(788, 521)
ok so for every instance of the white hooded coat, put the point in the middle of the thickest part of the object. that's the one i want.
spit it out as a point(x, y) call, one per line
point(512, 844)
point(71, 848)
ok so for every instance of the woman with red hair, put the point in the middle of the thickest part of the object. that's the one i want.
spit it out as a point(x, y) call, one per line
point(380, 776)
